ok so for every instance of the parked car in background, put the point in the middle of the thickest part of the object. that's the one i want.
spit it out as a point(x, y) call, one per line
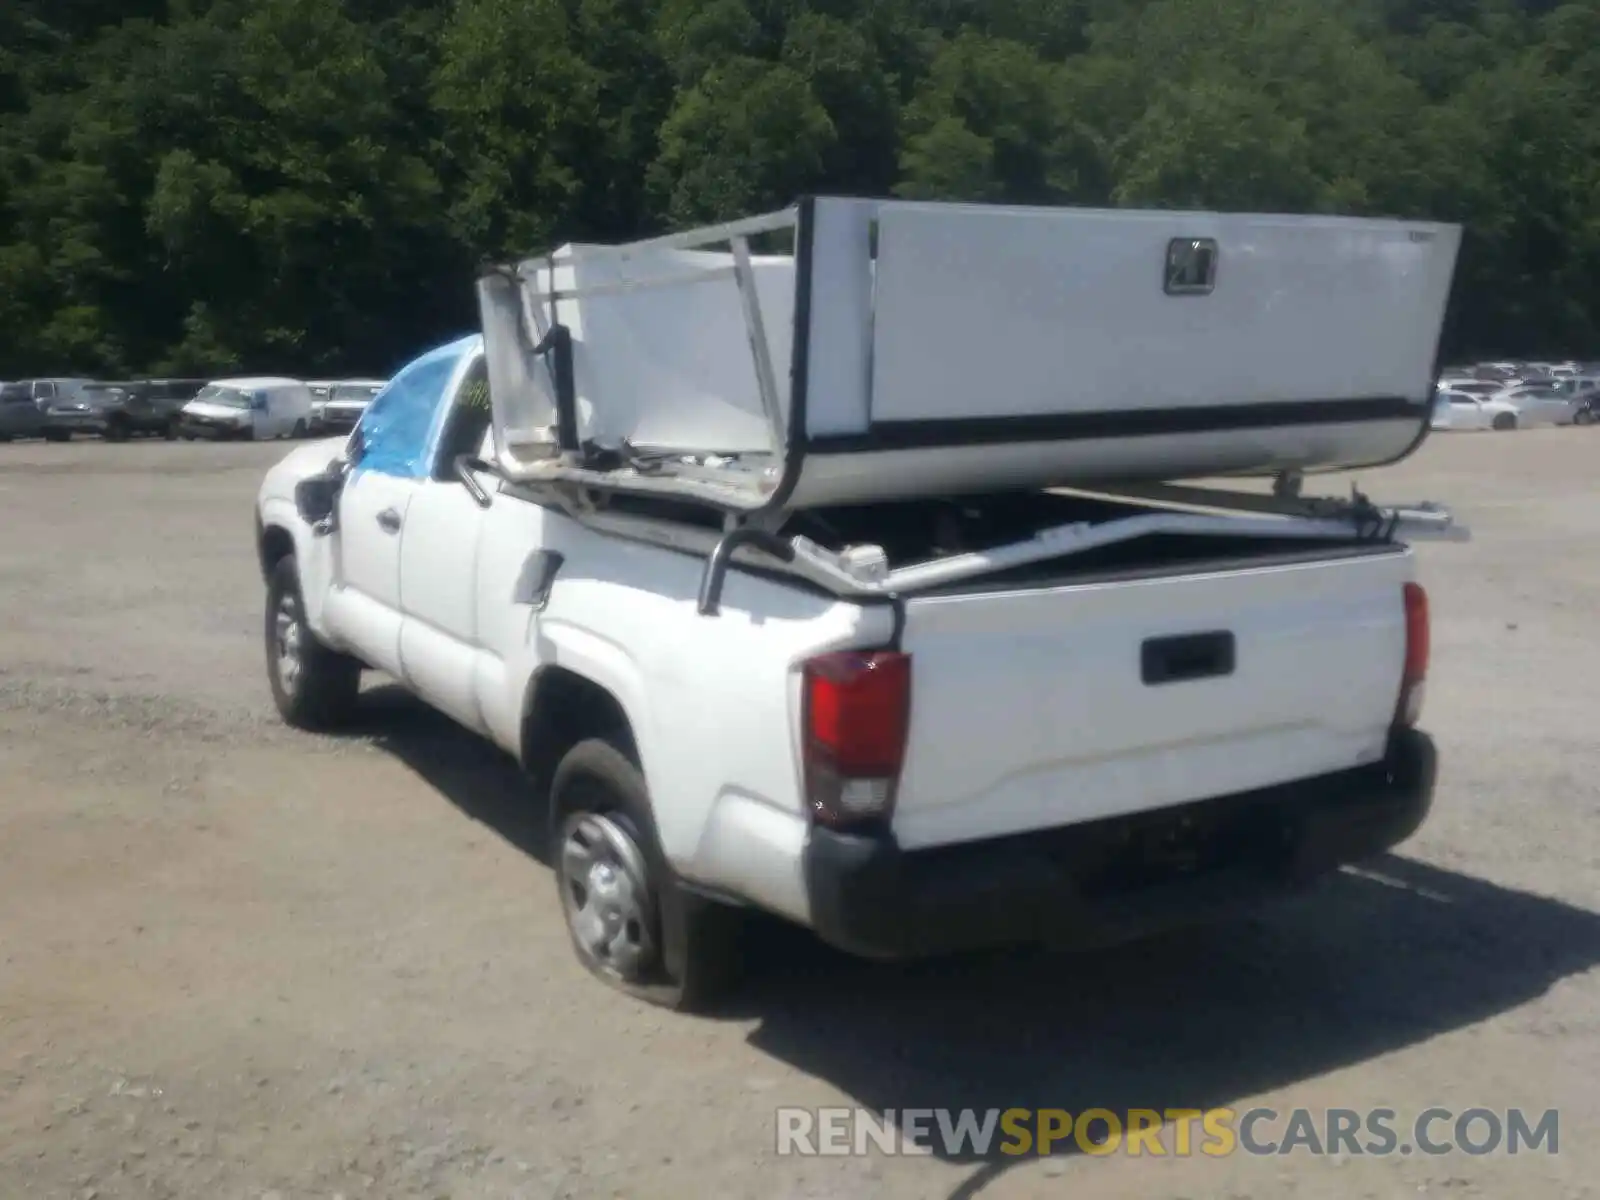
point(1471, 386)
point(1455, 410)
point(49, 408)
point(20, 413)
point(1498, 370)
point(1584, 392)
point(254, 408)
point(141, 406)
point(1539, 404)
point(347, 401)
point(321, 389)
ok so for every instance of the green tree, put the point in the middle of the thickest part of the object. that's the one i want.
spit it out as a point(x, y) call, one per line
point(306, 184)
point(748, 136)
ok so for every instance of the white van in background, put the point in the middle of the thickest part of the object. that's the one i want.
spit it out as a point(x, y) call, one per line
point(256, 408)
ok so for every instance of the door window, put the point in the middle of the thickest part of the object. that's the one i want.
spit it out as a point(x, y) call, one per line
point(398, 431)
point(466, 422)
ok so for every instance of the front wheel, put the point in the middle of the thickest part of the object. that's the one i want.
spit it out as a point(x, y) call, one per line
point(314, 686)
point(1583, 417)
point(1504, 423)
point(632, 923)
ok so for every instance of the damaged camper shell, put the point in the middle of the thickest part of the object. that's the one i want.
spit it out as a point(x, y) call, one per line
point(897, 349)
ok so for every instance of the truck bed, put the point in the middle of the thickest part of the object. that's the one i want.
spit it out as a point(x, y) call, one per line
point(1144, 673)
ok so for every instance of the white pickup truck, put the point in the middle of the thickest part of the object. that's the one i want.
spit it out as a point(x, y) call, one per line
point(915, 644)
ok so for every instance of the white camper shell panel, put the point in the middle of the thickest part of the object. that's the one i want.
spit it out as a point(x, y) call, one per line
point(908, 349)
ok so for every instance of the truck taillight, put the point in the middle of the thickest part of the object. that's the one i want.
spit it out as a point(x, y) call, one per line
point(857, 712)
point(1413, 678)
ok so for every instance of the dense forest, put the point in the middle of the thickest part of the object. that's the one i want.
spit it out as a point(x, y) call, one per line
point(308, 185)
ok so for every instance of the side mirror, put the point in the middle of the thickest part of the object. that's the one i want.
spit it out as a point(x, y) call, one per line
point(316, 498)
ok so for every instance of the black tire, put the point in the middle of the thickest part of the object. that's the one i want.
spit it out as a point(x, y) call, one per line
point(1583, 417)
point(321, 692)
point(299, 430)
point(117, 431)
point(694, 955)
point(57, 435)
point(170, 432)
point(1505, 422)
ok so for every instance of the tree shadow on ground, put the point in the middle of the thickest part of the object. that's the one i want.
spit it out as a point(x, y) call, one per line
point(1367, 963)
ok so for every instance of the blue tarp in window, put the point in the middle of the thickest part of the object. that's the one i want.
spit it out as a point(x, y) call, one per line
point(401, 425)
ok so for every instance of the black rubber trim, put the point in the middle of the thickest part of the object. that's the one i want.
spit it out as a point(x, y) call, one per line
point(1067, 427)
point(794, 452)
point(898, 634)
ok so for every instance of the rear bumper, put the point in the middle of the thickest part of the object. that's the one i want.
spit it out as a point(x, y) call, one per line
point(75, 422)
point(143, 422)
point(1111, 881)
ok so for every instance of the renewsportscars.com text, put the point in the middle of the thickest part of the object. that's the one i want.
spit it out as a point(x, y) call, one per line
point(1176, 1132)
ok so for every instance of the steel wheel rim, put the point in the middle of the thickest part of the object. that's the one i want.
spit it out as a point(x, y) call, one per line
point(288, 642)
point(605, 894)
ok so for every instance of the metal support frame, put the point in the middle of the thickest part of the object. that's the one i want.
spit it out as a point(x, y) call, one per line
point(838, 575)
point(1423, 519)
point(760, 349)
point(741, 271)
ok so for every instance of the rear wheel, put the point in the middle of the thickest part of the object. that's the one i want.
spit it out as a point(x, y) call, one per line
point(117, 430)
point(1583, 417)
point(170, 431)
point(1504, 422)
point(314, 686)
point(299, 430)
point(632, 923)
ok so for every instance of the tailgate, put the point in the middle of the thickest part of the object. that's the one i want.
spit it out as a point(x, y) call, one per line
point(1047, 707)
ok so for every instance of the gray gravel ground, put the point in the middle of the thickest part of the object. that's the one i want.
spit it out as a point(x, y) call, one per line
point(241, 962)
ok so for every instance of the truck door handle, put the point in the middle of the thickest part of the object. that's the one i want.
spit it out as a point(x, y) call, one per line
point(389, 521)
point(1186, 657)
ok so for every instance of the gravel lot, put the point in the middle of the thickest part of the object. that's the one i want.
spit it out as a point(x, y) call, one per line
point(241, 962)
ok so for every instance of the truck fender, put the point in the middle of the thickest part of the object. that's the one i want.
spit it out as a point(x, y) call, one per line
point(583, 687)
point(280, 532)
